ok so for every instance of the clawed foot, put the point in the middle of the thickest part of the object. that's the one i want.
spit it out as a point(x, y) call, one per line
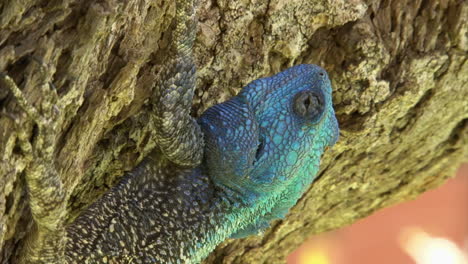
point(45, 118)
point(46, 194)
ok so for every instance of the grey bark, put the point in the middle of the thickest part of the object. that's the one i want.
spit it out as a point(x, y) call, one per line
point(398, 69)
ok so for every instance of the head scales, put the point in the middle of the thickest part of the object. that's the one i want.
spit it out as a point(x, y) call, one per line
point(258, 146)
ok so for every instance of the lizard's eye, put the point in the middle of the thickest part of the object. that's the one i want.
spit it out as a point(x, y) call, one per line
point(309, 104)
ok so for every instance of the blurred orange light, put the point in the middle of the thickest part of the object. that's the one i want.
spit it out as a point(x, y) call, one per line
point(315, 255)
point(389, 237)
point(427, 249)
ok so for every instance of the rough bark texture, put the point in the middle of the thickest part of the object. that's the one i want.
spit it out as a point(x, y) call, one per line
point(398, 68)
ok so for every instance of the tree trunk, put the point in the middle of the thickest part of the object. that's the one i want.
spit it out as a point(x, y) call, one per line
point(398, 69)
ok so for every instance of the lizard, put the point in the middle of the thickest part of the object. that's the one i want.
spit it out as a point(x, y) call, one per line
point(228, 174)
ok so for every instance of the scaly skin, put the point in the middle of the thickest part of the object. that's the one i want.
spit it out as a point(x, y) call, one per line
point(261, 150)
point(260, 156)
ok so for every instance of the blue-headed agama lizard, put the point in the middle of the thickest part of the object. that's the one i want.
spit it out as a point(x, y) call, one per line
point(242, 164)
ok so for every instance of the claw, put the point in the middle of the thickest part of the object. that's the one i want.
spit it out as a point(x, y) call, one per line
point(51, 85)
point(19, 96)
point(10, 116)
point(56, 109)
point(39, 61)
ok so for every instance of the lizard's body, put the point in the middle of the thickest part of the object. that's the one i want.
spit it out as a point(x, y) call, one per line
point(261, 150)
point(167, 213)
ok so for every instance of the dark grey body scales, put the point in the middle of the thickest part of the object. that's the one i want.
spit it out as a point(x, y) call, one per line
point(150, 214)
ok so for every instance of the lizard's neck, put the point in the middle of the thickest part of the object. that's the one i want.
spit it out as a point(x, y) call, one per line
point(171, 213)
point(206, 215)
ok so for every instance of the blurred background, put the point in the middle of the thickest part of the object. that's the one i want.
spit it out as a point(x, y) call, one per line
point(433, 229)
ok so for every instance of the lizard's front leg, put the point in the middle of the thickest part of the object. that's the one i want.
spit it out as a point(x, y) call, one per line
point(178, 134)
point(45, 242)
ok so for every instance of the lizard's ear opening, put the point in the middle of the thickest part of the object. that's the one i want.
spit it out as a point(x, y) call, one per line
point(260, 148)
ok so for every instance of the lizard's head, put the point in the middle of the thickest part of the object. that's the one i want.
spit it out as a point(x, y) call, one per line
point(272, 134)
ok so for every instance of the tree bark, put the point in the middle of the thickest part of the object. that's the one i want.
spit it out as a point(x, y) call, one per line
point(398, 69)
